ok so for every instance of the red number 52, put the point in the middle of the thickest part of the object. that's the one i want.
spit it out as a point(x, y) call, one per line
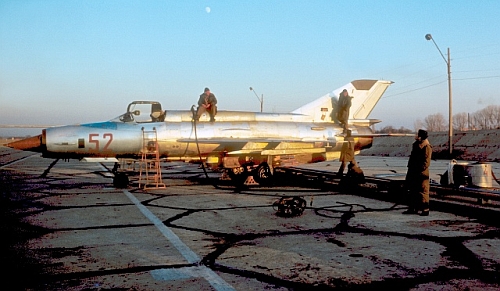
point(94, 138)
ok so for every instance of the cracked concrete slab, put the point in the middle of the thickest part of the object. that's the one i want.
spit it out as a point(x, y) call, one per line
point(72, 230)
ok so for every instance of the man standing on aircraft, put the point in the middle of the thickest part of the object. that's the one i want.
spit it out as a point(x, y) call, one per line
point(417, 177)
point(344, 105)
point(207, 103)
point(346, 153)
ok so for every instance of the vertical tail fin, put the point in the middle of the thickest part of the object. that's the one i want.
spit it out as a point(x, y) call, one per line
point(366, 95)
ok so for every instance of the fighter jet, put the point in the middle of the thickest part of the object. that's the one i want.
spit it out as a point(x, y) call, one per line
point(240, 142)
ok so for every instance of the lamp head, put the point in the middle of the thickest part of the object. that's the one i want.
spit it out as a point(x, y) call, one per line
point(428, 36)
point(251, 88)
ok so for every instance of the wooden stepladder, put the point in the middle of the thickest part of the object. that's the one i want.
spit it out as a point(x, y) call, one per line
point(150, 170)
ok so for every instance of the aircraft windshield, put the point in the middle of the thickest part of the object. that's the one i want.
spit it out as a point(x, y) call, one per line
point(143, 111)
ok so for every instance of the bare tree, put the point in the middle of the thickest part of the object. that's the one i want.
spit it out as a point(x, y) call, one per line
point(435, 122)
point(492, 115)
point(460, 121)
point(486, 118)
point(390, 129)
point(474, 120)
point(480, 120)
point(418, 124)
point(488, 114)
point(386, 129)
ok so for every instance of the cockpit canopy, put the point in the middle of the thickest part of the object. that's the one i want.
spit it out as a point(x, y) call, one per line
point(143, 112)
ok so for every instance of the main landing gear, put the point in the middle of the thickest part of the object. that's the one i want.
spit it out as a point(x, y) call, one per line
point(120, 180)
point(248, 173)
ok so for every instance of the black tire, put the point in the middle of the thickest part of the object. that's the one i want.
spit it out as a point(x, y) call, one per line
point(120, 180)
point(238, 175)
point(263, 174)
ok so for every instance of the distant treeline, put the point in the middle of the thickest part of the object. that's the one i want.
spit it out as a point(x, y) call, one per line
point(484, 119)
point(390, 129)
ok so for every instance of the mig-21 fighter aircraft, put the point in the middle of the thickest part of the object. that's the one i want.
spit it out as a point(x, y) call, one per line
point(240, 142)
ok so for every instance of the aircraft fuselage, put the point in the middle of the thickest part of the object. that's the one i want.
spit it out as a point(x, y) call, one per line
point(310, 133)
point(182, 139)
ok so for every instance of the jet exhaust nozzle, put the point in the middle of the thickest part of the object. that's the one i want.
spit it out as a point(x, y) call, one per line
point(32, 144)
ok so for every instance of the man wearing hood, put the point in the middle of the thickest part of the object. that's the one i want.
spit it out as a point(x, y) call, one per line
point(344, 105)
point(417, 177)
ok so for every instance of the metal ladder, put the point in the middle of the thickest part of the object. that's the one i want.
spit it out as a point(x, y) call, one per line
point(150, 170)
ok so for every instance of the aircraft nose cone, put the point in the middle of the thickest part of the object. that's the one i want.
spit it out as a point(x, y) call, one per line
point(33, 144)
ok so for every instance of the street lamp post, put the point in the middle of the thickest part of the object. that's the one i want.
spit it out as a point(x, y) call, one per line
point(450, 117)
point(261, 100)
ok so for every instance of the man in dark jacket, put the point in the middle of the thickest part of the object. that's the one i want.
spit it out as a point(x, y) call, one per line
point(207, 103)
point(346, 153)
point(344, 105)
point(417, 177)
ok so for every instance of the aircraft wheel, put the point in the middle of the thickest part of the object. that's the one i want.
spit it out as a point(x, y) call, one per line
point(120, 180)
point(238, 175)
point(263, 174)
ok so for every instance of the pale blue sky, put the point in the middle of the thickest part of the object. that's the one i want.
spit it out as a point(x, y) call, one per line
point(66, 62)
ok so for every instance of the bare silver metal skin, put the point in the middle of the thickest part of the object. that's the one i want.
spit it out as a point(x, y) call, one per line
point(308, 134)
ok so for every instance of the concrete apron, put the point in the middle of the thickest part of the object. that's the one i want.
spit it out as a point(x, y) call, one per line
point(103, 238)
